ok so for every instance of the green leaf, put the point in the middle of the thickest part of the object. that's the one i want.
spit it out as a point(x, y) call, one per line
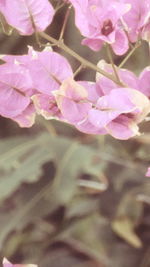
point(23, 162)
point(125, 229)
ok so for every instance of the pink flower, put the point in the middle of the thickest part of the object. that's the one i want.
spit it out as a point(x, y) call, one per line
point(115, 110)
point(137, 19)
point(100, 21)
point(27, 117)
point(48, 70)
point(109, 107)
point(127, 77)
point(72, 100)
point(6, 263)
point(148, 172)
point(52, 69)
point(144, 82)
point(46, 106)
point(16, 88)
point(117, 116)
point(118, 113)
point(91, 110)
point(141, 83)
point(27, 16)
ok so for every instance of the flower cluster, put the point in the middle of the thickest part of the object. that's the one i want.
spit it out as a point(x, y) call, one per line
point(113, 22)
point(43, 82)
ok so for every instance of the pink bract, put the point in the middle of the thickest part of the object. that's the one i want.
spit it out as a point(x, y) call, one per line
point(16, 88)
point(100, 22)
point(28, 16)
point(17, 105)
point(72, 101)
point(137, 19)
point(27, 117)
point(46, 106)
point(119, 112)
point(48, 70)
point(141, 83)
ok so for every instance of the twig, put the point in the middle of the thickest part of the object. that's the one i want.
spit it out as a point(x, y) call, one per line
point(85, 62)
point(78, 70)
point(65, 22)
point(59, 6)
point(130, 54)
point(112, 62)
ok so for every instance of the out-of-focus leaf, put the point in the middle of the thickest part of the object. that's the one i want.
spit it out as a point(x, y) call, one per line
point(127, 218)
point(143, 139)
point(71, 159)
point(85, 235)
point(124, 228)
point(64, 255)
point(22, 162)
point(82, 206)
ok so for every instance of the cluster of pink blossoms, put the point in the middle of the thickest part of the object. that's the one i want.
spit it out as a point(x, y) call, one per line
point(115, 22)
point(43, 82)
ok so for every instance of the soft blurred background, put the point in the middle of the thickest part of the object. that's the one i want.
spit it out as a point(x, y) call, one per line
point(67, 198)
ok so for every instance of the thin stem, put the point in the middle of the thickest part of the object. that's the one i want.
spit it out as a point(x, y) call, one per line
point(109, 53)
point(49, 126)
point(130, 54)
point(38, 39)
point(85, 62)
point(65, 22)
point(78, 70)
point(58, 6)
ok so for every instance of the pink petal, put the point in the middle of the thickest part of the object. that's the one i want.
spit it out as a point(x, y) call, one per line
point(27, 117)
point(73, 112)
point(137, 17)
point(144, 82)
point(94, 44)
point(120, 46)
point(122, 128)
point(86, 126)
point(15, 89)
point(46, 106)
point(80, 15)
point(12, 102)
point(72, 101)
point(110, 106)
point(48, 70)
point(141, 102)
point(126, 76)
point(93, 90)
point(28, 16)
